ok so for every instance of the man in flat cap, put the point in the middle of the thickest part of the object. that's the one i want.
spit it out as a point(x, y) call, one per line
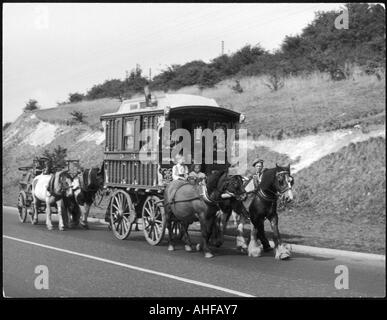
point(258, 165)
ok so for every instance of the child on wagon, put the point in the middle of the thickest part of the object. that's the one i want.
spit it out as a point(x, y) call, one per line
point(196, 174)
point(179, 170)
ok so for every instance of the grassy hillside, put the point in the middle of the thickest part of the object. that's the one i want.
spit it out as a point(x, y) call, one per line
point(341, 199)
point(305, 105)
point(91, 109)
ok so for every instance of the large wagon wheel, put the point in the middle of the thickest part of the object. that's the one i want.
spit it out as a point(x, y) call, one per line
point(22, 206)
point(122, 214)
point(154, 220)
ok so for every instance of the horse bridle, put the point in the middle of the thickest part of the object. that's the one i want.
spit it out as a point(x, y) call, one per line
point(231, 194)
point(288, 183)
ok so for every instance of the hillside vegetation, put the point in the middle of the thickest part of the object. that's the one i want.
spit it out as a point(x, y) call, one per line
point(319, 47)
point(341, 199)
point(306, 104)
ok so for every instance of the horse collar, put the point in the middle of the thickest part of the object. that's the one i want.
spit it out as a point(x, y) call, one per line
point(265, 196)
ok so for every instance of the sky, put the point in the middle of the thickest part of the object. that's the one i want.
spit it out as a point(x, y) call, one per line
point(53, 49)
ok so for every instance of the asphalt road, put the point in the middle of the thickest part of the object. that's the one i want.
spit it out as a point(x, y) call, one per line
point(94, 263)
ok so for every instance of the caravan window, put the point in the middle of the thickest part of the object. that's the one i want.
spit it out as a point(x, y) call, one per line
point(129, 134)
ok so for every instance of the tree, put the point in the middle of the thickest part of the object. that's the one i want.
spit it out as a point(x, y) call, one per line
point(56, 157)
point(31, 105)
point(76, 97)
point(78, 116)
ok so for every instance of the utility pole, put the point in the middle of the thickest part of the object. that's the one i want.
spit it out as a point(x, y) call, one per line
point(222, 47)
point(150, 74)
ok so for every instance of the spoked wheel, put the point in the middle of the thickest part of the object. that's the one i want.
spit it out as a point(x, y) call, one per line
point(154, 221)
point(122, 214)
point(177, 230)
point(21, 206)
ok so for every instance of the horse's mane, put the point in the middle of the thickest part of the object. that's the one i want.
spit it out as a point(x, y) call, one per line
point(213, 179)
point(267, 180)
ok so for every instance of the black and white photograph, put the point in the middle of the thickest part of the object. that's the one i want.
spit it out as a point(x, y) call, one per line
point(193, 151)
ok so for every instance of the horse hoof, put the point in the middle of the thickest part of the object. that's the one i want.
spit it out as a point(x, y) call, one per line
point(34, 221)
point(171, 248)
point(208, 255)
point(85, 226)
point(242, 249)
point(188, 248)
point(50, 228)
point(198, 247)
point(61, 228)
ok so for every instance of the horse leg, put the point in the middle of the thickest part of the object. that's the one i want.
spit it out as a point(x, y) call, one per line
point(60, 215)
point(206, 227)
point(254, 250)
point(168, 215)
point(281, 252)
point(240, 239)
point(187, 239)
point(35, 205)
point(262, 236)
point(85, 215)
point(48, 214)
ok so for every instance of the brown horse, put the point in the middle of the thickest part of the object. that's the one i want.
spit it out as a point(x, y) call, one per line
point(85, 186)
point(188, 203)
point(262, 204)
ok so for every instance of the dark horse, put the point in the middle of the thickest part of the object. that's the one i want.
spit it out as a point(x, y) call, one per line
point(188, 203)
point(262, 204)
point(85, 186)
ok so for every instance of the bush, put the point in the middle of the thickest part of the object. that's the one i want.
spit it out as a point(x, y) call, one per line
point(31, 105)
point(78, 116)
point(6, 125)
point(76, 97)
point(56, 157)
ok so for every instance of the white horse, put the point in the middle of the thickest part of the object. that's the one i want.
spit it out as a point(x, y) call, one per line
point(52, 192)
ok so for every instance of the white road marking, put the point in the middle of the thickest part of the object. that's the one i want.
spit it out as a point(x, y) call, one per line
point(128, 266)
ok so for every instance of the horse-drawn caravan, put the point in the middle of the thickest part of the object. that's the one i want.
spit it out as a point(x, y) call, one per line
point(140, 146)
point(144, 139)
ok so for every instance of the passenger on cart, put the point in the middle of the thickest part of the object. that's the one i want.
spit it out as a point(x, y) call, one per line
point(179, 170)
point(196, 175)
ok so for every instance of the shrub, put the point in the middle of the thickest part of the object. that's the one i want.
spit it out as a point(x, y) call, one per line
point(31, 105)
point(76, 97)
point(6, 125)
point(56, 157)
point(78, 116)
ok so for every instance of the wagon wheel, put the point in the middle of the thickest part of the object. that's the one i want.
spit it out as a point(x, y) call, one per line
point(122, 214)
point(154, 220)
point(177, 228)
point(21, 206)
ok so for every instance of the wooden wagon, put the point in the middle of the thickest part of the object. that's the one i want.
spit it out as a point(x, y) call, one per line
point(136, 187)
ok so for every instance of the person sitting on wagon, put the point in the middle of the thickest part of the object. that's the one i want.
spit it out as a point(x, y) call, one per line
point(196, 174)
point(179, 170)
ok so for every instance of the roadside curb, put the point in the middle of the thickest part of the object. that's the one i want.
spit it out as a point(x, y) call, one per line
point(301, 249)
point(296, 248)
